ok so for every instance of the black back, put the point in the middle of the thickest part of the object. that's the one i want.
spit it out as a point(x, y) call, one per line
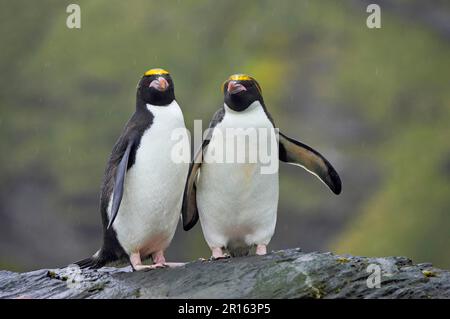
point(141, 120)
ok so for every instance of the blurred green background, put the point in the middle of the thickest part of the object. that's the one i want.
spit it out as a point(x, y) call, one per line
point(375, 102)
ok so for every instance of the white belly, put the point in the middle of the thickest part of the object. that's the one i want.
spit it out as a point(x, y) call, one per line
point(237, 203)
point(153, 190)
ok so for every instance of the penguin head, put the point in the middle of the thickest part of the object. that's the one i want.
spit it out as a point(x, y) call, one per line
point(156, 88)
point(240, 91)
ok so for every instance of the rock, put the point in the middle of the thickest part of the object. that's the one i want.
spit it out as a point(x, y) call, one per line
point(281, 274)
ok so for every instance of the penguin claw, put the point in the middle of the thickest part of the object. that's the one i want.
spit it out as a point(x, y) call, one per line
point(148, 267)
point(174, 264)
point(217, 253)
point(225, 256)
point(159, 266)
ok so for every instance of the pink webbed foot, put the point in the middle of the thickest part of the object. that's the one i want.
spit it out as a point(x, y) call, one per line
point(136, 262)
point(261, 250)
point(159, 261)
point(159, 258)
point(217, 253)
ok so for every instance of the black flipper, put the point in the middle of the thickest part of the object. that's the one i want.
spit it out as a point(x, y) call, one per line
point(297, 153)
point(189, 211)
point(118, 184)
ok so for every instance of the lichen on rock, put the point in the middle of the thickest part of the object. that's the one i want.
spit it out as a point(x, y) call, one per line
point(282, 274)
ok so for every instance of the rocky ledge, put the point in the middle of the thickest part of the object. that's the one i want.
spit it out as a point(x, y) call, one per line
point(281, 274)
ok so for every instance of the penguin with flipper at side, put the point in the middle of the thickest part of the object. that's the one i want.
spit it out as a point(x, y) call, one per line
point(142, 194)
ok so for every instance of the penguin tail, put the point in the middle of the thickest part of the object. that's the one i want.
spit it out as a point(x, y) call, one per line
point(238, 249)
point(94, 262)
point(239, 252)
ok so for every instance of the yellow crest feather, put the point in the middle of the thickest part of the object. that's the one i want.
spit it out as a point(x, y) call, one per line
point(157, 71)
point(242, 77)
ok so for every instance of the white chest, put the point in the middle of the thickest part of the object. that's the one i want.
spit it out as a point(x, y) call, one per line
point(236, 199)
point(242, 144)
point(153, 190)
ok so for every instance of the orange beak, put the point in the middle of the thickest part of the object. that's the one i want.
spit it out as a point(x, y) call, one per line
point(160, 84)
point(235, 87)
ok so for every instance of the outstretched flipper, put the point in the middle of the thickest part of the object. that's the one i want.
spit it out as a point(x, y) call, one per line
point(189, 211)
point(118, 184)
point(297, 153)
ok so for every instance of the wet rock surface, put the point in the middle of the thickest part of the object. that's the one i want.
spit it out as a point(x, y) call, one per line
point(281, 274)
